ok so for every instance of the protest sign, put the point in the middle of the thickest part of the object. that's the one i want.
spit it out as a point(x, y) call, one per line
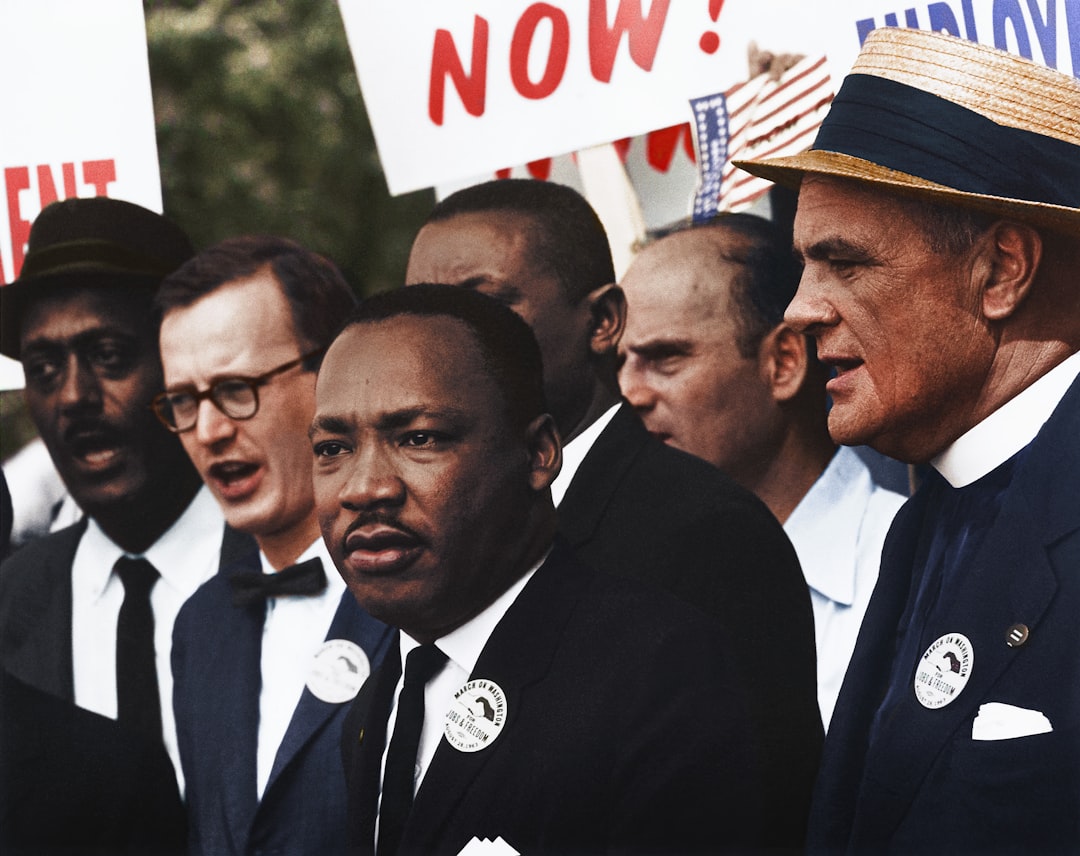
point(1046, 31)
point(78, 114)
point(458, 88)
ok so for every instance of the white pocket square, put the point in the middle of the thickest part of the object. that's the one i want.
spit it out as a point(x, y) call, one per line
point(487, 847)
point(998, 721)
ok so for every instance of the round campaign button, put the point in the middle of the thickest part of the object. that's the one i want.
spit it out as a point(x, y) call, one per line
point(944, 670)
point(476, 716)
point(338, 671)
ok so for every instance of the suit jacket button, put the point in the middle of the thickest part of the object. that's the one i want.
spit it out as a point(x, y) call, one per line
point(1017, 635)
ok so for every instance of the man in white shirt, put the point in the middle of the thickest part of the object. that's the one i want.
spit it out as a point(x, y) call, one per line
point(535, 701)
point(939, 223)
point(628, 503)
point(266, 654)
point(712, 369)
point(86, 614)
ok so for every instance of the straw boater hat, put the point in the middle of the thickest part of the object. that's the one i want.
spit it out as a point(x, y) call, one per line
point(944, 119)
point(95, 241)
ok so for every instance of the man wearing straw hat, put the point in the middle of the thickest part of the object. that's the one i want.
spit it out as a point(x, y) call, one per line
point(939, 224)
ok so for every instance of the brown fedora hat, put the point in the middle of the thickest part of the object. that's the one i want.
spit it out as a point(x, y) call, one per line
point(95, 241)
point(941, 118)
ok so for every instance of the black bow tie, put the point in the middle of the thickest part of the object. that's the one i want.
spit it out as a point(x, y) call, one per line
point(307, 578)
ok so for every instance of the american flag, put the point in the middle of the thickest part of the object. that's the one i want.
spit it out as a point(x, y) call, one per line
point(767, 118)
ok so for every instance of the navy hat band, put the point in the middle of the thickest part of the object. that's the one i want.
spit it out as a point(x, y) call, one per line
point(915, 132)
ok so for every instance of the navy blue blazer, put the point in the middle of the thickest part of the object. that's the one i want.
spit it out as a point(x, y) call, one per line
point(624, 732)
point(925, 784)
point(217, 649)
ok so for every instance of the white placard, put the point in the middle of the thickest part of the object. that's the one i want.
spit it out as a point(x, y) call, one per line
point(78, 118)
point(458, 88)
point(1046, 31)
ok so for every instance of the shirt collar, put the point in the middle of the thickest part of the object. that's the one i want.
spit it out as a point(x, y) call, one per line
point(1008, 429)
point(464, 644)
point(191, 542)
point(820, 526)
point(574, 452)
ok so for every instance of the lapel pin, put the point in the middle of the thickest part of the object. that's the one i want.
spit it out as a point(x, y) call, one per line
point(944, 671)
point(1017, 635)
point(476, 717)
point(338, 670)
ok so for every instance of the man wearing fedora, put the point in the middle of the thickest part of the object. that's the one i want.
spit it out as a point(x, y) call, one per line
point(939, 223)
point(86, 614)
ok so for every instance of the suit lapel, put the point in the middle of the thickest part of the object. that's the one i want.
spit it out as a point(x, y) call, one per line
point(44, 659)
point(1010, 580)
point(599, 475)
point(311, 714)
point(517, 655)
point(237, 681)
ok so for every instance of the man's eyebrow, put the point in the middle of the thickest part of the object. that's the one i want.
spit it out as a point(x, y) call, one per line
point(406, 416)
point(660, 347)
point(328, 425)
point(832, 247)
point(81, 339)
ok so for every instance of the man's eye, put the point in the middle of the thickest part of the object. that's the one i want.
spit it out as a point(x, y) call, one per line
point(842, 266)
point(329, 449)
point(41, 372)
point(420, 439)
point(112, 357)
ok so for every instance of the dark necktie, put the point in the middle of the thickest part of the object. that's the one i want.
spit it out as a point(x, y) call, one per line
point(307, 578)
point(397, 790)
point(138, 702)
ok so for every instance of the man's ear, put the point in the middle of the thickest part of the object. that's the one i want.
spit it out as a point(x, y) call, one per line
point(783, 361)
point(1009, 262)
point(607, 318)
point(545, 451)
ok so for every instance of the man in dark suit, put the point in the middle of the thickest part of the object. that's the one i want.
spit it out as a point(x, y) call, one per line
point(73, 781)
point(940, 282)
point(86, 614)
point(542, 703)
point(266, 654)
point(628, 503)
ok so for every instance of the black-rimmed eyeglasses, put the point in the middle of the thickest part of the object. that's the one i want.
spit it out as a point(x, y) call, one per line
point(236, 397)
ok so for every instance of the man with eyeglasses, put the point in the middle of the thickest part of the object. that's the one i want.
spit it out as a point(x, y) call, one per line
point(267, 654)
point(86, 613)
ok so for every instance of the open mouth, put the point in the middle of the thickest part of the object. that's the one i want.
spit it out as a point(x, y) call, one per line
point(234, 479)
point(95, 448)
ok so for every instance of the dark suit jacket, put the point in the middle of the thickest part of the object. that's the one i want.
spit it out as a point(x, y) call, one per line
point(74, 782)
point(624, 731)
point(641, 509)
point(926, 785)
point(35, 607)
point(217, 649)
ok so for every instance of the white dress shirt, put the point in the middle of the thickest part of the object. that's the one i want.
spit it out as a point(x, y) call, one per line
point(186, 556)
point(293, 632)
point(838, 530)
point(574, 453)
point(1008, 429)
point(462, 648)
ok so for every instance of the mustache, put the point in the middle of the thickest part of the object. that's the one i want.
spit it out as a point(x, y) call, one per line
point(381, 517)
point(89, 430)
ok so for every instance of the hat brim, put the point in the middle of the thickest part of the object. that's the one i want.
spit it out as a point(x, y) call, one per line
point(15, 297)
point(790, 171)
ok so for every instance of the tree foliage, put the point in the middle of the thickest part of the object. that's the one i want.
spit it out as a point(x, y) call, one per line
point(261, 128)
